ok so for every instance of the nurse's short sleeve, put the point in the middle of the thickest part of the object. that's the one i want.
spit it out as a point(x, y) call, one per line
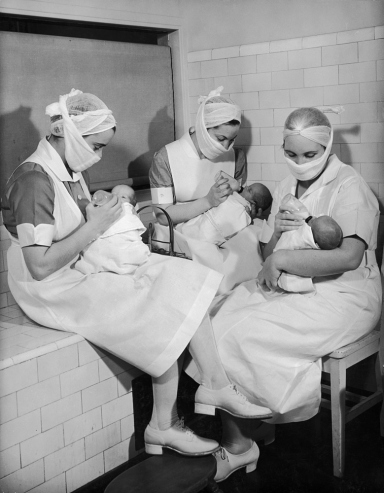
point(160, 179)
point(356, 211)
point(31, 201)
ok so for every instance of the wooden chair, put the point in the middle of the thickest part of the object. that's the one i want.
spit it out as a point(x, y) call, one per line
point(336, 364)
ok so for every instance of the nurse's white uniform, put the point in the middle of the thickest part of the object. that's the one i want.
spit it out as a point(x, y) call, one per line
point(146, 318)
point(239, 258)
point(271, 344)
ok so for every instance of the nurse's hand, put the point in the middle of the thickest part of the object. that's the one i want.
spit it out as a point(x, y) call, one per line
point(219, 192)
point(285, 221)
point(102, 217)
point(270, 273)
point(232, 182)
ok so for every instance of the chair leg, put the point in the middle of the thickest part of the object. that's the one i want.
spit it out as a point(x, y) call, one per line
point(380, 381)
point(338, 388)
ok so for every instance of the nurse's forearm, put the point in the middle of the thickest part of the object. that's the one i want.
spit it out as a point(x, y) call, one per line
point(313, 263)
point(43, 261)
point(180, 213)
point(268, 248)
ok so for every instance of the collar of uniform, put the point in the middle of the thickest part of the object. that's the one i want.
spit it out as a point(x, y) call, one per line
point(55, 163)
point(328, 175)
point(192, 144)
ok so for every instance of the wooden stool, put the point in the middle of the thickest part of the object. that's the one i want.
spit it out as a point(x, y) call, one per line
point(168, 473)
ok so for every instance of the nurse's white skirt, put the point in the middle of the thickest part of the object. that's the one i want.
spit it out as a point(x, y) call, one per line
point(271, 344)
point(146, 318)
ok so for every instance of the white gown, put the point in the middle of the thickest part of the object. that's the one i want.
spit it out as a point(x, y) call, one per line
point(146, 318)
point(239, 258)
point(120, 249)
point(271, 344)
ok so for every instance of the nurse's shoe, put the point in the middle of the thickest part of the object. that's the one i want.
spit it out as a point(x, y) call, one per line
point(179, 438)
point(228, 399)
point(228, 463)
point(264, 434)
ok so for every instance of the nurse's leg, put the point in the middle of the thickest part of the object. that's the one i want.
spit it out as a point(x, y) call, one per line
point(216, 390)
point(204, 351)
point(164, 388)
point(165, 429)
point(238, 449)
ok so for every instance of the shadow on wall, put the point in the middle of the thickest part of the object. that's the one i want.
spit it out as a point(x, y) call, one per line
point(339, 138)
point(244, 138)
point(18, 139)
point(159, 129)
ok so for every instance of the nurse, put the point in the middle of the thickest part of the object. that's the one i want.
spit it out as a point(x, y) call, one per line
point(272, 341)
point(183, 181)
point(147, 317)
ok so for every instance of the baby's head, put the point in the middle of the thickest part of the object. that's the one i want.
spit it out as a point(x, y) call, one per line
point(126, 193)
point(326, 232)
point(257, 194)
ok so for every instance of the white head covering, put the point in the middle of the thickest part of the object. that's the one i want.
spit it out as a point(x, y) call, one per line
point(75, 115)
point(321, 134)
point(211, 115)
point(89, 114)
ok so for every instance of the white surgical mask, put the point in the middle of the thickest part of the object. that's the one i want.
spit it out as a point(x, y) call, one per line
point(78, 153)
point(224, 112)
point(311, 169)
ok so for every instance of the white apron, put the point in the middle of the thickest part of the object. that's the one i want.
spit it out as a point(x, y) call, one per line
point(239, 259)
point(271, 344)
point(146, 318)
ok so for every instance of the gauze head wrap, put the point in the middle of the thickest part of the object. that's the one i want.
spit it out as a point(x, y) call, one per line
point(89, 114)
point(75, 115)
point(214, 110)
point(312, 124)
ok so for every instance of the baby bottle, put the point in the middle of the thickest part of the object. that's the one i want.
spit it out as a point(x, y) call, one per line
point(101, 197)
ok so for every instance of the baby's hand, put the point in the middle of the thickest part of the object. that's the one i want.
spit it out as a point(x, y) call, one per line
point(232, 182)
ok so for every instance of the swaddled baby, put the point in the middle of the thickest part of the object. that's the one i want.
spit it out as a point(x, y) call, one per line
point(120, 249)
point(321, 233)
point(231, 216)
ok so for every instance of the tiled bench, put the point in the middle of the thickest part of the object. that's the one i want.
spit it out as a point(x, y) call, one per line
point(66, 410)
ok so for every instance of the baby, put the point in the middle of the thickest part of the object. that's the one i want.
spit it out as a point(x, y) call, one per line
point(321, 233)
point(120, 249)
point(125, 192)
point(231, 216)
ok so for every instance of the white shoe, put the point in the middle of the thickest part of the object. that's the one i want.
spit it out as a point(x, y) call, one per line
point(179, 438)
point(228, 463)
point(228, 399)
point(264, 434)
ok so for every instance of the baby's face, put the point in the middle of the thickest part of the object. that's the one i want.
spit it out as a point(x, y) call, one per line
point(249, 194)
point(126, 194)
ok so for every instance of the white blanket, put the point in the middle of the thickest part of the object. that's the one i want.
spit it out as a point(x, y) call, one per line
point(219, 223)
point(299, 239)
point(120, 249)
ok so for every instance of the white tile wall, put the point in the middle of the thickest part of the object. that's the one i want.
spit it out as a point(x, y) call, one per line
point(344, 67)
point(102, 439)
point(54, 442)
point(85, 472)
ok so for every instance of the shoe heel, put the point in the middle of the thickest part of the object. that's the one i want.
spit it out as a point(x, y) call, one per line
point(204, 409)
point(269, 440)
point(251, 467)
point(153, 449)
